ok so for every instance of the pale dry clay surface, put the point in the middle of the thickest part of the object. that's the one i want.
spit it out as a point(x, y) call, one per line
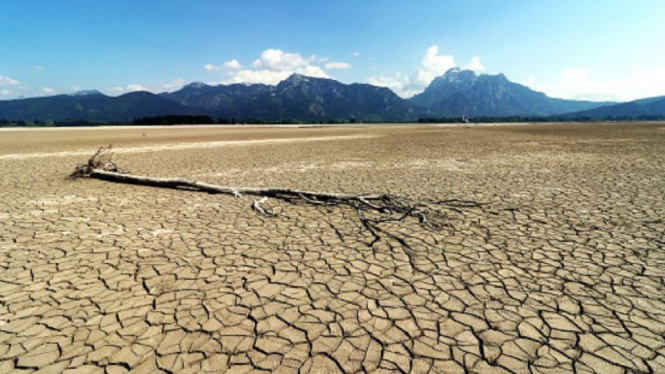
point(562, 271)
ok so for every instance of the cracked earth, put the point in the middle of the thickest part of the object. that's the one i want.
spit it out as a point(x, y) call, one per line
point(561, 270)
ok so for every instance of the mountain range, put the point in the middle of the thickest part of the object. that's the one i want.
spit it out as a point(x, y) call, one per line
point(457, 93)
point(463, 93)
point(299, 98)
point(90, 106)
point(650, 108)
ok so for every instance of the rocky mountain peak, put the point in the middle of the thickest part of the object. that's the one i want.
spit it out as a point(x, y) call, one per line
point(87, 93)
point(457, 74)
point(196, 85)
point(296, 78)
point(453, 81)
point(461, 92)
point(498, 78)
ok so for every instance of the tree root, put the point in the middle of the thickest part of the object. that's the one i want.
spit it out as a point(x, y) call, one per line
point(103, 159)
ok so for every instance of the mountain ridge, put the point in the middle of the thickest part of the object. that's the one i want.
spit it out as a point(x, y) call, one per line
point(640, 109)
point(463, 93)
point(456, 93)
point(90, 107)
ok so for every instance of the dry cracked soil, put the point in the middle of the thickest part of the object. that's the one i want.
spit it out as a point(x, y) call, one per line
point(561, 269)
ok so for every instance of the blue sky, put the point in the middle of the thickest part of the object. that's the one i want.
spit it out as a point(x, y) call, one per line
point(568, 48)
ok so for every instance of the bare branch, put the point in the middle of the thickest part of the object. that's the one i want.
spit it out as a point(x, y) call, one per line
point(386, 208)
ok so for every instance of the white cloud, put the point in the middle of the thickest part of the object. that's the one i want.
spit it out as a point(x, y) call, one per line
point(5, 92)
point(434, 64)
point(259, 76)
point(396, 84)
point(228, 65)
point(129, 88)
point(431, 66)
point(173, 84)
point(312, 71)
point(232, 64)
point(275, 65)
point(47, 90)
point(273, 77)
point(276, 59)
point(39, 68)
point(136, 87)
point(337, 65)
point(6, 81)
point(356, 54)
point(76, 88)
point(474, 65)
point(584, 83)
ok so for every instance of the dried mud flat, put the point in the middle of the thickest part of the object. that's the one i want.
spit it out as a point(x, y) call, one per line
point(562, 270)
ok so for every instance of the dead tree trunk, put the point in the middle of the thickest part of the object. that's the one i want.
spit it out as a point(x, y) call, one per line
point(385, 208)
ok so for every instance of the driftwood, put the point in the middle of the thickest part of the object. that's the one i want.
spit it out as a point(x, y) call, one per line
point(103, 159)
point(384, 207)
point(315, 197)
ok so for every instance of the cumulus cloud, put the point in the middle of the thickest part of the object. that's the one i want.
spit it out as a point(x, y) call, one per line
point(431, 66)
point(228, 65)
point(273, 77)
point(129, 88)
point(396, 83)
point(275, 65)
point(5, 92)
point(136, 87)
point(173, 84)
point(434, 64)
point(337, 65)
point(232, 64)
point(259, 76)
point(312, 71)
point(6, 81)
point(47, 90)
point(278, 60)
point(474, 65)
point(584, 83)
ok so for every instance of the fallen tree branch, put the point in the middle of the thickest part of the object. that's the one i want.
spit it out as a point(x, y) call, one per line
point(383, 207)
point(180, 183)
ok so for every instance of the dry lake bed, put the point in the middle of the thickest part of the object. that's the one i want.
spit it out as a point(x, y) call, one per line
point(560, 269)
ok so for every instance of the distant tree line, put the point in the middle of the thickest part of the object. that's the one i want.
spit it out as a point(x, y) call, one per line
point(208, 120)
point(22, 123)
point(490, 119)
point(518, 119)
point(175, 120)
point(67, 123)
